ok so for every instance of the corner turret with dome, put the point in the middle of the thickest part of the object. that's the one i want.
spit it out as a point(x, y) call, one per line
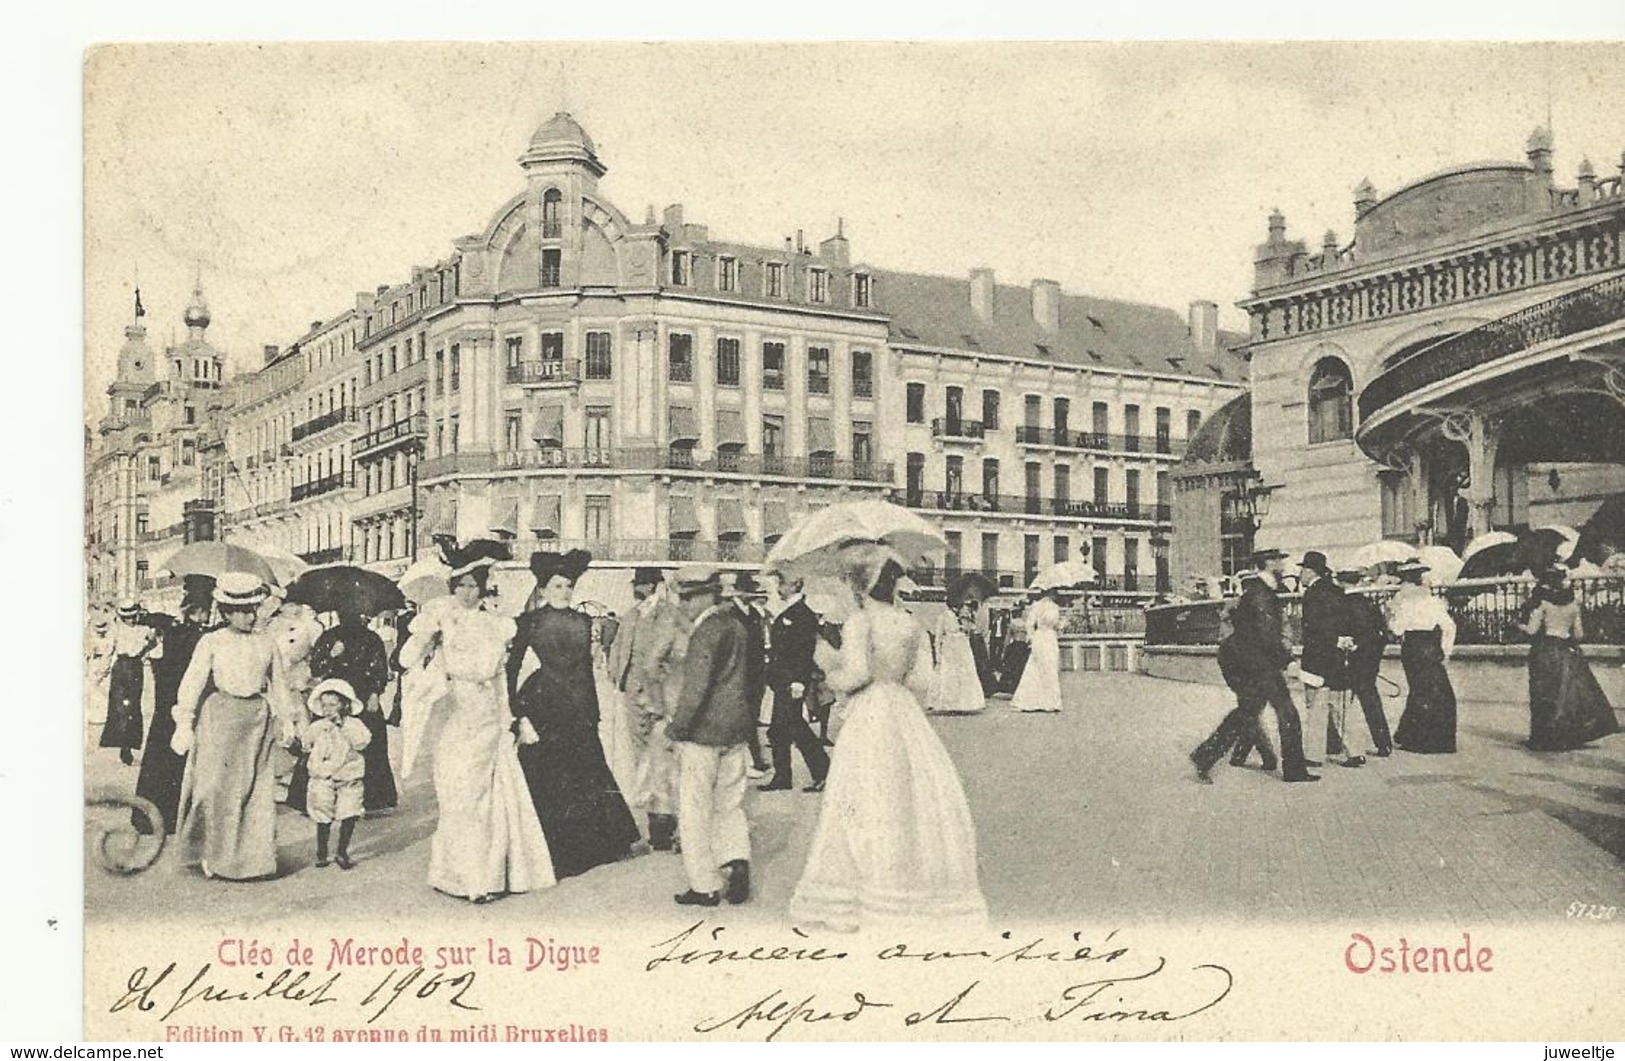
point(562, 139)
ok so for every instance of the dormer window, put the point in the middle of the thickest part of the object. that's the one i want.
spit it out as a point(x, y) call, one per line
point(773, 280)
point(727, 274)
point(862, 291)
point(681, 268)
point(818, 285)
point(552, 226)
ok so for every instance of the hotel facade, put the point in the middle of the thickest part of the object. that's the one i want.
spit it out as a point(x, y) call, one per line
point(641, 389)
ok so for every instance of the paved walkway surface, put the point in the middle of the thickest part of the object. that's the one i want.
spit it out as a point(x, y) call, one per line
point(1093, 813)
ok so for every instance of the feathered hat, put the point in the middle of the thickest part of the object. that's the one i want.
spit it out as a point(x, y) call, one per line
point(571, 565)
point(482, 552)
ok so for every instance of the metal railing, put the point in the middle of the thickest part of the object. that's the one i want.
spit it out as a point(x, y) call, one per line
point(1018, 504)
point(947, 427)
point(325, 556)
point(543, 373)
point(659, 550)
point(325, 485)
point(653, 458)
point(1485, 612)
point(863, 387)
point(317, 424)
point(410, 429)
point(1071, 438)
point(1557, 318)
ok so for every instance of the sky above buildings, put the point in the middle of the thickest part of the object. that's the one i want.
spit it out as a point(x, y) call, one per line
point(291, 177)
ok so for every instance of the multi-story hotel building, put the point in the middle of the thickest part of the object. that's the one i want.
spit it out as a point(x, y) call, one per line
point(1458, 366)
point(147, 470)
point(573, 377)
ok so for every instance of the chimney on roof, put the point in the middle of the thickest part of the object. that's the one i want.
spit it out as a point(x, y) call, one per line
point(982, 293)
point(315, 324)
point(801, 241)
point(270, 352)
point(1204, 327)
point(1047, 305)
point(836, 250)
point(673, 219)
point(381, 289)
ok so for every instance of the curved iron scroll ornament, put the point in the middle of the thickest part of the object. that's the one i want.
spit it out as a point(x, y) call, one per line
point(121, 847)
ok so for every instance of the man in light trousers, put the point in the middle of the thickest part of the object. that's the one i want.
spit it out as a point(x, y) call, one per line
point(711, 727)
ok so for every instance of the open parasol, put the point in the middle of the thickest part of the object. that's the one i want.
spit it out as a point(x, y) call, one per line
point(425, 580)
point(1386, 551)
point(1486, 541)
point(343, 587)
point(1502, 558)
point(286, 566)
point(1063, 575)
point(218, 558)
point(1443, 563)
point(971, 585)
point(814, 545)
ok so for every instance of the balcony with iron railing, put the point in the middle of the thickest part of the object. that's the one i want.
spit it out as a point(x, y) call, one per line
point(1031, 505)
point(1564, 317)
point(658, 550)
point(553, 372)
point(330, 555)
point(391, 436)
point(950, 429)
point(318, 487)
point(1097, 441)
point(863, 387)
point(656, 459)
point(341, 416)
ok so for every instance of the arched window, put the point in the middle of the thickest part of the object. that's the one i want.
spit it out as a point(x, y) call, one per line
point(1331, 401)
point(551, 226)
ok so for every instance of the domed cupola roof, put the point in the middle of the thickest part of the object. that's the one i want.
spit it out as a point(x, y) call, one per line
point(561, 138)
point(197, 310)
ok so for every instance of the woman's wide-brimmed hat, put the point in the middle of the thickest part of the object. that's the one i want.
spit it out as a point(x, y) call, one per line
point(235, 589)
point(482, 552)
point(197, 591)
point(1411, 567)
point(331, 685)
point(129, 608)
point(648, 576)
point(571, 565)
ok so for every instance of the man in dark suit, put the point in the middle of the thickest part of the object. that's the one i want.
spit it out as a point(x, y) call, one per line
point(711, 727)
point(1261, 655)
point(789, 674)
point(1365, 624)
point(747, 596)
point(1324, 668)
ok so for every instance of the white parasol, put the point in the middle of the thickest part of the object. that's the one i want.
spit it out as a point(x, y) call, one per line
point(1386, 551)
point(814, 546)
point(425, 580)
point(1443, 563)
point(1484, 541)
point(1063, 575)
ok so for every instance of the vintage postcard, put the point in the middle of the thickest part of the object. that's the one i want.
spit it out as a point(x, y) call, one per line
point(742, 542)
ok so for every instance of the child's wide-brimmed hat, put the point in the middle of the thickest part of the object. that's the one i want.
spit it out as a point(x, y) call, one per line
point(331, 685)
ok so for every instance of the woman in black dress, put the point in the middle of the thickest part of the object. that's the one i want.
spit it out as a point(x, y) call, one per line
point(586, 820)
point(352, 652)
point(1567, 708)
point(1427, 637)
point(161, 769)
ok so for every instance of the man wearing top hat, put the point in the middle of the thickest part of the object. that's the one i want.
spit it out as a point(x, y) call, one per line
point(712, 726)
point(789, 674)
point(1261, 655)
point(1363, 621)
point(643, 661)
point(1323, 669)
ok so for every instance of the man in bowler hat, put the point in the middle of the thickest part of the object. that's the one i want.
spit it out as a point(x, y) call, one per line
point(1364, 623)
point(1261, 658)
point(711, 727)
point(1324, 665)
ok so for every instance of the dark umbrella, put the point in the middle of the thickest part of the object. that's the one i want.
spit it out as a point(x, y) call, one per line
point(344, 587)
point(1508, 558)
point(1539, 547)
point(971, 585)
point(1604, 532)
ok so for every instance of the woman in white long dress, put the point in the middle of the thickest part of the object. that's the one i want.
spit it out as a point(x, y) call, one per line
point(1040, 688)
point(895, 842)
point(488, 842)
point(958, 686)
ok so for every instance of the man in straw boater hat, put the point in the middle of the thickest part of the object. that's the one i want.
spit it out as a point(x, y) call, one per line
point(1261, 658)
point(711, 726)
point(643, 662)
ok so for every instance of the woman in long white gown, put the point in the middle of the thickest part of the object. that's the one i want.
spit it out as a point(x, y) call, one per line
point(1040, 688)
point(958, 686)
point(488, 842)
point(895, 842)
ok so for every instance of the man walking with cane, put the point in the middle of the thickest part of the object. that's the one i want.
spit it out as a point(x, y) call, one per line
point(789, 674)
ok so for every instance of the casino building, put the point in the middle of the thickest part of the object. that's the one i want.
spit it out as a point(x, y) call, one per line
point(1457, 365)
point(658, 394)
